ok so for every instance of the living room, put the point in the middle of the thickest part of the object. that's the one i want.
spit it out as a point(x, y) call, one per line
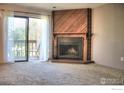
point(61, 44)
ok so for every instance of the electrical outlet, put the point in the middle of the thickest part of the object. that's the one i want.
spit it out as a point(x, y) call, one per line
point(122, 58)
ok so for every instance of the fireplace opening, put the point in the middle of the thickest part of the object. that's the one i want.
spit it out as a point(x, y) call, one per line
point(70, 47)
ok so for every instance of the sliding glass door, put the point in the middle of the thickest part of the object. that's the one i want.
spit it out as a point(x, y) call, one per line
point(27, 35)
point(29, 38)
point(20, 38)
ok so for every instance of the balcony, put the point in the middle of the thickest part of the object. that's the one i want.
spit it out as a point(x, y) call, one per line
point(20, 50)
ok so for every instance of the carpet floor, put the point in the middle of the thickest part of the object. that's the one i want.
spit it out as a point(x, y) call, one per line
point(47, 73)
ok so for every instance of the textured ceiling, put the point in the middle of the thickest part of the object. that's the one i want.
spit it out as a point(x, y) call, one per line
point(60, 6)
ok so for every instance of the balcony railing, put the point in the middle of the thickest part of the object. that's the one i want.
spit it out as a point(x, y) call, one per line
point(20, 48)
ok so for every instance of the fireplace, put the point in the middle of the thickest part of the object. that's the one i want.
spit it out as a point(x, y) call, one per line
point(72, 36)
point(70, 48)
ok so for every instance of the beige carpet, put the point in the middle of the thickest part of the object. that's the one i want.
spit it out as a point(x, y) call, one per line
point(47, 73)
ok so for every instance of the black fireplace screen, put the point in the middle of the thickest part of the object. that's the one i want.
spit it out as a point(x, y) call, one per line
point(70, 47)
point(69, 50)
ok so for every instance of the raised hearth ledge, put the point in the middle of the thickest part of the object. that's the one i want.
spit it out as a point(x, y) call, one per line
point(71, 61)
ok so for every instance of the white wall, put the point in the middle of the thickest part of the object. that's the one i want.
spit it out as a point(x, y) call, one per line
point(108, 39)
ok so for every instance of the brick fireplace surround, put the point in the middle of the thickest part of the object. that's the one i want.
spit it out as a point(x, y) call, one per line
point(73, 23)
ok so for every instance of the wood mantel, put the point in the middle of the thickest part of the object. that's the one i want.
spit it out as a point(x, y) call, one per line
point(65, 33)
point(72, 23)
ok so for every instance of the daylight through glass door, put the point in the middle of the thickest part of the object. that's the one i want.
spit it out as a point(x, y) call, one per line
point(34, 38)
point(27, 38)
point(20, 38)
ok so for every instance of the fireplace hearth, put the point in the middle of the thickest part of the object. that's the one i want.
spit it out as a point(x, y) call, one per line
point(70, 48)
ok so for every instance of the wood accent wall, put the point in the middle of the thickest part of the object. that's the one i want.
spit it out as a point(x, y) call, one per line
point(70, 21)
point(75, 22)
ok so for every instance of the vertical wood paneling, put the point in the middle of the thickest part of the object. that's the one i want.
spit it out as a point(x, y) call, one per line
point(89, 32)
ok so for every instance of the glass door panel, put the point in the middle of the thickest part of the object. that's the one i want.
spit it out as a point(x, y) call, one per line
point(34, 38)
point(20, 38)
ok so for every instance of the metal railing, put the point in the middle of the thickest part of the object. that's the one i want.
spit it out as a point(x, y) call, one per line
point(20, 48)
